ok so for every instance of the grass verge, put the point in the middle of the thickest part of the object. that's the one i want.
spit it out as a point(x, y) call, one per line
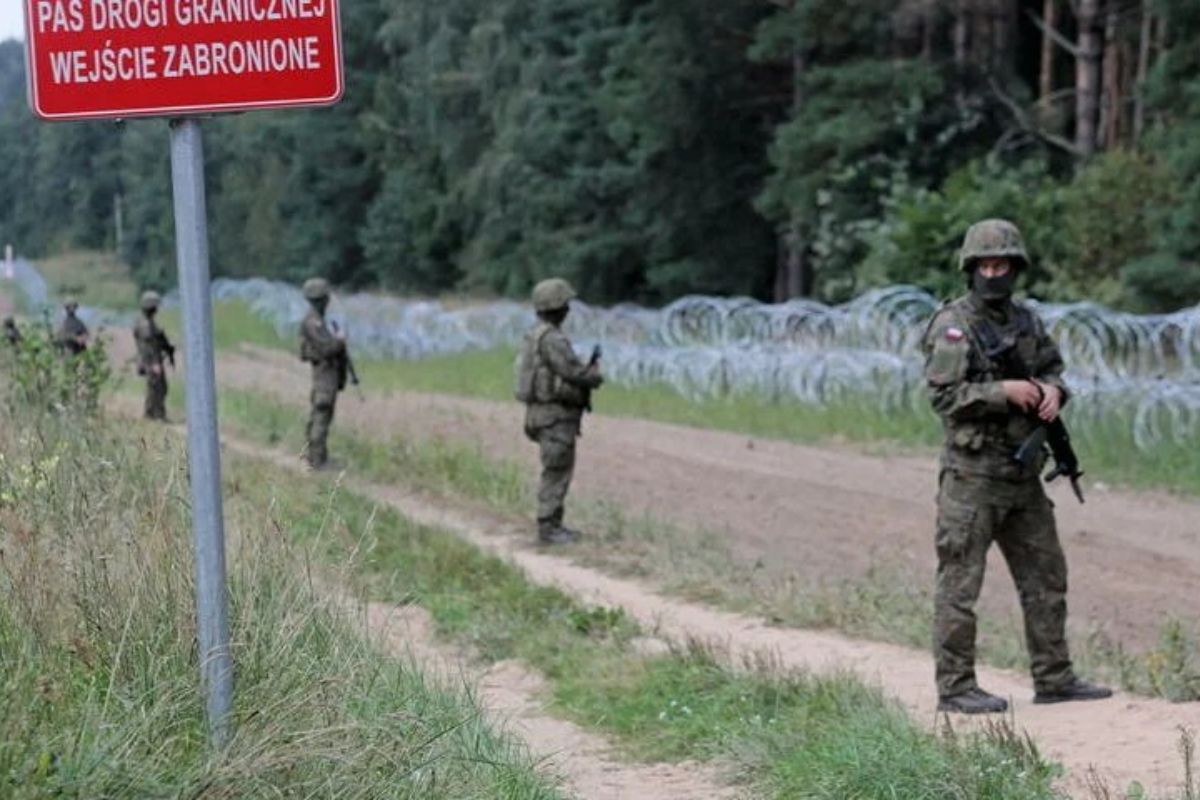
point(890, 603)
point(786, 735)
point(98, 668)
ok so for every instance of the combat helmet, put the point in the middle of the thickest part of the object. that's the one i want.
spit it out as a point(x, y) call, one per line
point(316, 289)
point(552, 294)
point(151, 300)
point(992, 238)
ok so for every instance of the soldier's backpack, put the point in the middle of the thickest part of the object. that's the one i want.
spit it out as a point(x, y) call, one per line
point(528, 361)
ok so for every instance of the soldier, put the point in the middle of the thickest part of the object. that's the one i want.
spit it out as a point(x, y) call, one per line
point(12, 333)
point(153, 349)
point(984, 494)
point(556, 388)
point(72, 333)
point(326, 351)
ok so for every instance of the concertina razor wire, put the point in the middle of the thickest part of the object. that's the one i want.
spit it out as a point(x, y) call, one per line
point(1126, 369)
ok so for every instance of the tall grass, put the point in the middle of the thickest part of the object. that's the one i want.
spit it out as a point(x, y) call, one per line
point(98, 663)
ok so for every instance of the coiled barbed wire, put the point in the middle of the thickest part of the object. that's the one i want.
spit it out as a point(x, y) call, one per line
point(1137, 371)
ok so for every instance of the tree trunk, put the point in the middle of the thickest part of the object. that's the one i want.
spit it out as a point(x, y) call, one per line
point(928, 29)
point(1004, 22)
point(1143, 70)
point(1046, 75)
point(119, 222)
point(982, 20)
point(793, 277)
point(1112, 98)
point(961, 32)
point(1087, 77)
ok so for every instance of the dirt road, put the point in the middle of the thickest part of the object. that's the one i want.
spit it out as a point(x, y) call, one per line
point(820, 514)
point(513, 697)
point(1119, 741)
point(808, 512)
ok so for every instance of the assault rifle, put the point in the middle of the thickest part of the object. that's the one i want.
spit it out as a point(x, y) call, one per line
point(1003, 351)
point(348, 363)
point(165, 345)
point(593, 361)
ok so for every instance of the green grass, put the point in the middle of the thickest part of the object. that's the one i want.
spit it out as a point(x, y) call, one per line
point(98, 670)
point(787, 735)
point(234, 325)
point(94, 278)
point(1107, 450)
point(889, 603)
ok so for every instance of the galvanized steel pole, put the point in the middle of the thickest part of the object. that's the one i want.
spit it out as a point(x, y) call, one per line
point(204, 454)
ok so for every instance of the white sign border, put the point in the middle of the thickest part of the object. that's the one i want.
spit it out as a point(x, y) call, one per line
point(178, 111)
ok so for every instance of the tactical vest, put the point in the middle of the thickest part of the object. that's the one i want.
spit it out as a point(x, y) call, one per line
point(987, 444)
point(536, 382)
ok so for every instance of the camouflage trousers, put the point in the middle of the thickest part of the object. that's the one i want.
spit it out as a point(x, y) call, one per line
point(557, 445)
point(973, 512)
point(320, 419)
point(156, 395)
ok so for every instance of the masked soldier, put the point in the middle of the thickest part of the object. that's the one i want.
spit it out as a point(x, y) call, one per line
point(326, 351)
point(985, 495)
point(556, 388)
point(72, 333)
point(154, 348)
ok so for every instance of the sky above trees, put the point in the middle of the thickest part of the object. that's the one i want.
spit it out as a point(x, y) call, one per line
point(12, 23)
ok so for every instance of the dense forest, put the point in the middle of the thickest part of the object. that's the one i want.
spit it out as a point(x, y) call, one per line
point(651, 148)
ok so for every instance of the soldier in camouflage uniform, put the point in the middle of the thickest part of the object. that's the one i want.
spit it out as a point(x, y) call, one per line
point(326, 351)
point(72, 334)
point(984, 494)
point(12, 333)
point(556, 388)
point(154, 349)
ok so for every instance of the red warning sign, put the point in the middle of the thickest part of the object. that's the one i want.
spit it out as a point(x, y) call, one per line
point(93, 59)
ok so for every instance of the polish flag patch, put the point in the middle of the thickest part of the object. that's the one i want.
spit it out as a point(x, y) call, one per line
point(955, 335)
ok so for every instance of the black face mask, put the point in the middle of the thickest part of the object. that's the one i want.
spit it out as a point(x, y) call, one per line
point(993, 291)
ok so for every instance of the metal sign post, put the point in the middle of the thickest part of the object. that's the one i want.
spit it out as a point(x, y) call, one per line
point(204, 453)
point(143, 58)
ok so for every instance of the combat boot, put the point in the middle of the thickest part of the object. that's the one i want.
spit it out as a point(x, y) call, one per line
point(973, 701)
point(550, 533)
point(1076, 689)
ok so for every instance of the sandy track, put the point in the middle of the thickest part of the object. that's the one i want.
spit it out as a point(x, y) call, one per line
point(1120, 740)
point(808, 513)
point(511, 695)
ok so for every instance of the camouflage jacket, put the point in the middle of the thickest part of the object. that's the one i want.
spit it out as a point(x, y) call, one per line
point(324, 351)
point(982, 429)
point(151, 343)
point(561, 383)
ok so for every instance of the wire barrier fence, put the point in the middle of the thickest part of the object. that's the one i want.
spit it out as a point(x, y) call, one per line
point(1128, 370)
